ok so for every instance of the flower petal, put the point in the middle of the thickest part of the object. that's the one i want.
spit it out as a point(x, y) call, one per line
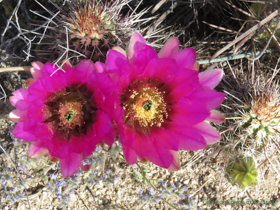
point(160, 156)
point(185, 58)
point(17, 116)
point(129, 155)
point(100, 67)
point(116, 63)
point(19, 99)
point(36, 151)
point(119, 49)
point(170, 48)
point(102, 123)
point(86, 65)
point(136, 44)
point(143, 57)
point(140, 143)
point(23, 130)
point(186, 83)
point(74, 77)
point(209, 133)
point(175, 165)
point(70, 164)
point(188, 113)
point(82, 143)
point(211, 98)
point(189, 138)
point(58, 146)
point(50, 68)
point(109, 137)
point(210, 78)
point(37, 70)
point(216, 117)
point(164, 138)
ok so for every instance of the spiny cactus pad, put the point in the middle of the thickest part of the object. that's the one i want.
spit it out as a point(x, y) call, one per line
point(242, 171)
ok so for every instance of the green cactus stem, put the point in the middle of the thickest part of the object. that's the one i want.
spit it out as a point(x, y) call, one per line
point(242, 172)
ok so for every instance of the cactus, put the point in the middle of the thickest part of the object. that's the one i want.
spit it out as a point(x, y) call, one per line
point(242, 171)
point(261, 119)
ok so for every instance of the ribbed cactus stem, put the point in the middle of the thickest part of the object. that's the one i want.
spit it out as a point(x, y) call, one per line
point(242, 171)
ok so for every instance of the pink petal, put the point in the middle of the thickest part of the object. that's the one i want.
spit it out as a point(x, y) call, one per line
point(109, 137)
point(102, 123)
point(99, 98)
point(189, 138)
point(37, 70)
point(86, 65)
point(101, 81)
point(164, 138)
point(162, 69)
point(19, 99)
point(81, 143)
point(210, 78)
point(35, 112)
point(45, 132)
point(186, 83)
point(92, 144)
point(140, 143)
point(50, 68)
point(38, 90)
point(129, 155)
point(36, 151)
point(100, 67)
point(29, 81)
point(119, 49)
point(136, 43)
point(211, 98)
point(74, 77)
point(170, 48)
point(70, 164)
point(58, 146)
point(58, 80)
point(216, 117)
point(188, 113)
point(17, 115)
point(160, 156)
point(143, 57)
point(185, 58)
point(210, 134)
point(23, 130)
point(116, 63)
point(175, 165)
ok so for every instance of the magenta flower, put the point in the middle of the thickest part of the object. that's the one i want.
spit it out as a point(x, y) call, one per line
point(164, 101)
point(65, 115)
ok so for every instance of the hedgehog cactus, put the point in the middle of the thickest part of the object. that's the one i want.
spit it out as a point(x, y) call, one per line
point(90, 26)
point(242, 171)
point(261, 119)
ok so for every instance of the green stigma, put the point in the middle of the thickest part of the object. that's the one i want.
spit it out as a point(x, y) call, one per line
point(69, 116)
point(147, 105)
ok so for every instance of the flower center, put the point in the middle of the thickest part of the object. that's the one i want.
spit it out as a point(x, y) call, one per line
point(144, 106)
point(147, 105)
point(70, 111)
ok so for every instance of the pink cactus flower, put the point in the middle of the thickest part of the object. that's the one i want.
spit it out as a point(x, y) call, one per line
point(165, 102)
point(65, 115)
